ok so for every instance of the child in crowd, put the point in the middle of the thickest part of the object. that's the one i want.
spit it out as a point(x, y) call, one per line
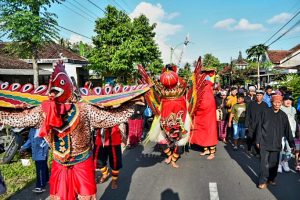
point(237, 121)
point(40, 155)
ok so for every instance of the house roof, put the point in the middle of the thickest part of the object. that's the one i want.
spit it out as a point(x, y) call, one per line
point(10, 62)
point(276, 56)
point(56, 51)
point(50, 53)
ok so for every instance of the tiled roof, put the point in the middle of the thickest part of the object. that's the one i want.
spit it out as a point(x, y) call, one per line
point(55, 51)
point(10, 62)
point(276, 56)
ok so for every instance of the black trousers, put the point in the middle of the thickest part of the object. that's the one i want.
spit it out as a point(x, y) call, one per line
point(111, 153)
point(42, 173)
point(251, 145)
point(269, 161)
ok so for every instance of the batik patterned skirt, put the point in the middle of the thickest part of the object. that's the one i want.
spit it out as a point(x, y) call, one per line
point(222, 129)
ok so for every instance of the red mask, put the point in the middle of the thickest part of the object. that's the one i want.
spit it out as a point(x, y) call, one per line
point(60, 83)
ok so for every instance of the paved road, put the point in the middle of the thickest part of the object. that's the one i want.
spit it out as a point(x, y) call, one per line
point(230, 176)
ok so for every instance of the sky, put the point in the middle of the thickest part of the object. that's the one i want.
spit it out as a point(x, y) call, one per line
point(220, 27)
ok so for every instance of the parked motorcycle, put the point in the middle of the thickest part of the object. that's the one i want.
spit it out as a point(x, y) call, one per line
point(11, 140)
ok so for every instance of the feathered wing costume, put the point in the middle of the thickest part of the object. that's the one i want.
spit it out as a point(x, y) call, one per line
point(174, 102)
point(67, 125)
point(204, 129)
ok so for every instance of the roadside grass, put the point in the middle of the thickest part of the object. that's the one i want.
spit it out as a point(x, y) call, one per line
point(17, 177)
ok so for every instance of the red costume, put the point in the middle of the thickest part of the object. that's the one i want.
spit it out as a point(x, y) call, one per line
point(173, 104)
point(204, 132)
point(66, 126)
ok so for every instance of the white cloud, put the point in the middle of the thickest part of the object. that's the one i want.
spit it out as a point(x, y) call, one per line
point(76, 38)
point(156, 14)
point(225, 24)
point(243, 25)
point(280, 19)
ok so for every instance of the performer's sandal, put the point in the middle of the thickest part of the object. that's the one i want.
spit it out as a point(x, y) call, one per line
point(104, 178)
point(211, 156)
point(205, 153)
point(114, 184)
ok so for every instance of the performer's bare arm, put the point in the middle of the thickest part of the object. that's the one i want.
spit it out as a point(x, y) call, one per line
point(104, 118)
point(21, 119)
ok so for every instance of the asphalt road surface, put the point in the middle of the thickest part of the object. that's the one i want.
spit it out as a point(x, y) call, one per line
point(232, 175)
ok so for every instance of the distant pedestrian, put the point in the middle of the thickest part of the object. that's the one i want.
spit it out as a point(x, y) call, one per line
point(268, 95)
point(253, 115)
point(108, 148)
point(223, 115)
point(273, 125)
point(285, 154)
point(135, 124)
point(237, 121)
point(40, 150)
point(231, 99)
point(251, 95)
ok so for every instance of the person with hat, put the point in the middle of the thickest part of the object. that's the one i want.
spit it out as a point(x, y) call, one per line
point(286, 153)
point(274, 125)
point(253, 114)
point(251, 95)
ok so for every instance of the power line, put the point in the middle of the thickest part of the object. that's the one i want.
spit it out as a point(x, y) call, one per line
point(97, 6)
point(296, 24)
point(78, 13)
point(86, 8)
point(283, 26)
point(117, 4)
point(77, 7)
point(74, 32)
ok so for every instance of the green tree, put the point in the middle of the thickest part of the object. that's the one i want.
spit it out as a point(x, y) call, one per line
point(28, 24)
point(292, 82)
point(255, 53)
point(81, 48)
point(122, 43)
point(185, 72)
point(211, 62)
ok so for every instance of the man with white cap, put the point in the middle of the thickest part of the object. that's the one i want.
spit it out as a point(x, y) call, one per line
point(253, 115)
point(273, 125)
point(251, 95)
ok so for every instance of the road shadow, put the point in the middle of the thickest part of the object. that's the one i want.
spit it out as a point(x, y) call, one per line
point(27, 194)
point(288, 184)
point(168, 194)
point(132, 160)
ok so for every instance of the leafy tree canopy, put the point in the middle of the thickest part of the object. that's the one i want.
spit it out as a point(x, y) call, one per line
point(255, 52)
point(122, 43)
point(186, 71)
point(211, 62)
point(28, 24)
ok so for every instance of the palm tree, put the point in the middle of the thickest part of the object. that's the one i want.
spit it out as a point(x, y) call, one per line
point(255, 52)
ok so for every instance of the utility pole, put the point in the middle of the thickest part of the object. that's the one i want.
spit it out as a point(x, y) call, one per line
point(172, 49)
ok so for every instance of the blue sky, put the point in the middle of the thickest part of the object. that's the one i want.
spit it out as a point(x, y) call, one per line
point(220, 27)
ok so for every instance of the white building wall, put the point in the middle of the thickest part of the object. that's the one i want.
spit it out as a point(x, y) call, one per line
point(294, 61)
point(70, 69)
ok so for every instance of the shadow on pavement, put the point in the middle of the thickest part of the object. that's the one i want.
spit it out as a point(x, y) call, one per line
point(288, 184)
point(132, 160)
point(168, 194)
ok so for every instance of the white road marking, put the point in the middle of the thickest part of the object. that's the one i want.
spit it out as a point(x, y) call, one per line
point(252, 171)
point(213, 191)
